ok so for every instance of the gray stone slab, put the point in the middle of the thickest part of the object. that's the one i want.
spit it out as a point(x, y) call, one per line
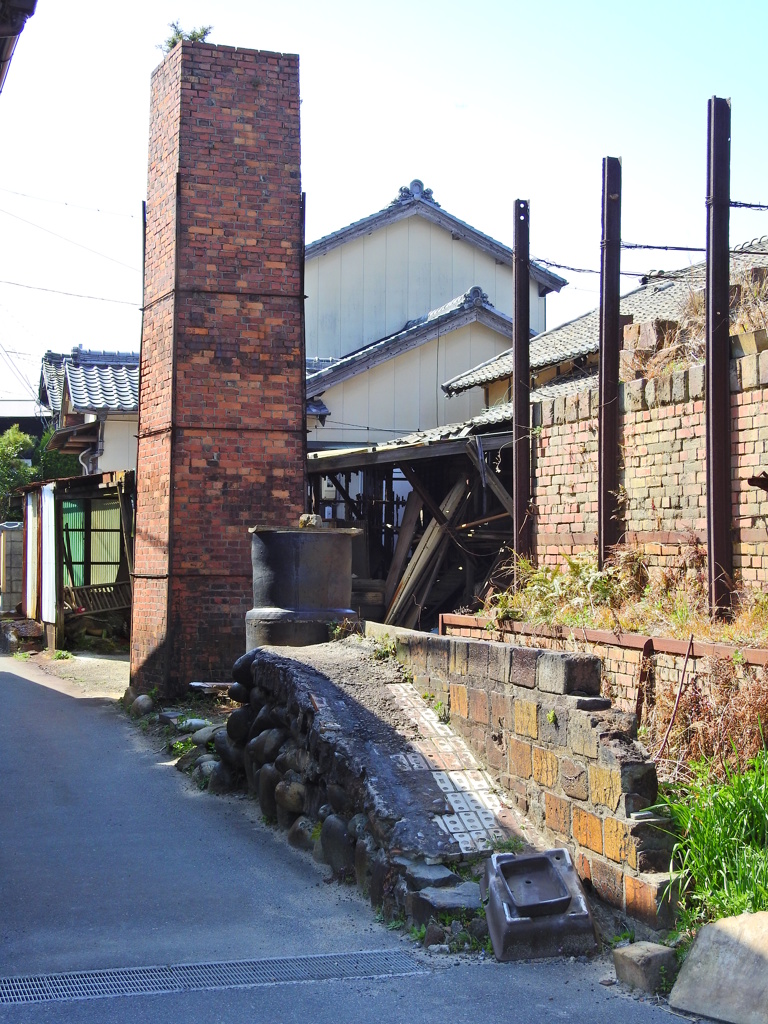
point(725, 975)
point(431, 902)
point(424, 876)
point(645, 965)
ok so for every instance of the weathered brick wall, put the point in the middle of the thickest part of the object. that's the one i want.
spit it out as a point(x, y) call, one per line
point(221, 429)
point(663, 473)
point(568, 759)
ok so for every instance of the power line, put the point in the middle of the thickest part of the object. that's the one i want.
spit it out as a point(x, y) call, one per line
point(664, 248)
point(584, 270)
point(749, 206)
point(73, 206)
point(73, 295)
point(742, 251)
point(22, 380)
point(70, 240)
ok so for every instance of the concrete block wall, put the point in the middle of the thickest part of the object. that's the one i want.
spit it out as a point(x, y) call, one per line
point(567, 758)
point(222, 444)
point(663, 474)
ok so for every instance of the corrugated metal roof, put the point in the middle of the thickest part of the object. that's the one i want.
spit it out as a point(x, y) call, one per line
point(663, 295)
point(415, 200)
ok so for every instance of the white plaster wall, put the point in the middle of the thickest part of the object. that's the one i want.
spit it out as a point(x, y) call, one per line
point(120, 443)
point(372, 286)
point(404, 394)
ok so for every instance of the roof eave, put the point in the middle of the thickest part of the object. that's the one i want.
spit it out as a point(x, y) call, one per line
point(436, 215)
point(388, 348)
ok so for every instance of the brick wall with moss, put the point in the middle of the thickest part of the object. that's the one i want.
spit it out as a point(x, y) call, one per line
point(663, 470)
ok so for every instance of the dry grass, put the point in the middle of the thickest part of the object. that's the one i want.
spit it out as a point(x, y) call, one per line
point(723, 700)
point(627, 597)
point(721, 718)
point(683, 345)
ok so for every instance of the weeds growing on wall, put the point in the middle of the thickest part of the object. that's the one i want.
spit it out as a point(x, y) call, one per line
point(628, 597)
point(573, 593)
point(722, 852)
point(683, 345)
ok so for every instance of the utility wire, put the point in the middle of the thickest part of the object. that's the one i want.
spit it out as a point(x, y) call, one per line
point(73, 206)
point(73, 295)
point(749, 206)
point(21, 379)
point(70, 240)
point(744, 251)
point(665, 248)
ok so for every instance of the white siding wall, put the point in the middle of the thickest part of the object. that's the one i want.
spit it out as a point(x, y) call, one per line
point(404, 394)
point(120, 444)
point(369, 288)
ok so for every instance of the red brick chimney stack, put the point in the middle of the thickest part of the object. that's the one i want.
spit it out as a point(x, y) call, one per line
point(222, 443)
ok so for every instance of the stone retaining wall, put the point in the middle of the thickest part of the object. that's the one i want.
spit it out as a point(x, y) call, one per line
point(635, 667)
point(565, 755)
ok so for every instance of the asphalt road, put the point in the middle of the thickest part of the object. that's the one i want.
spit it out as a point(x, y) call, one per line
point(109, 861)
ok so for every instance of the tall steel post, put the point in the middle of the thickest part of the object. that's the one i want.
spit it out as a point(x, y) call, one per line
point(521, 469)
point(608, 425)
point(718, 395)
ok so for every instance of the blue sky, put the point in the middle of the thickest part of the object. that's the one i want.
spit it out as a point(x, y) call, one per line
point(485, 102)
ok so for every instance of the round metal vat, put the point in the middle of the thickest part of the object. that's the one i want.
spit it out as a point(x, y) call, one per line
point(302, 580)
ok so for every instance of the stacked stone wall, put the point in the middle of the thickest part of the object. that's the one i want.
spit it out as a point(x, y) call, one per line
point(566, 757)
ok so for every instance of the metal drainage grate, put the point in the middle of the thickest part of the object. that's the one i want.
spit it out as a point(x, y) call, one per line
point(132, 981)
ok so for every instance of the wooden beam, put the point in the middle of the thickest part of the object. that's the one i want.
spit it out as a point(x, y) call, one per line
point(431, 505)
point(349, 501)
point(413, 506)
point(491, 478)
point(451, 506)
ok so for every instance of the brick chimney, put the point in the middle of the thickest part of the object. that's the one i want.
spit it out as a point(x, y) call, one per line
point(222, 443)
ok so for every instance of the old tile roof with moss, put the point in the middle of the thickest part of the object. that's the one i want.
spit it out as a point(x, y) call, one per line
point(663, 295)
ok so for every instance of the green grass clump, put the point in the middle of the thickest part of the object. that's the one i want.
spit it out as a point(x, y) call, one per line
point(722, 852)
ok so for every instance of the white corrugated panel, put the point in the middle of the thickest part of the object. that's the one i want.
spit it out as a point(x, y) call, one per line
point(33, 572)
point(48, 611)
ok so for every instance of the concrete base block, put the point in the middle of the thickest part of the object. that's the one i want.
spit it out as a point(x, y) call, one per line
point(726, 972)
point(645, 965)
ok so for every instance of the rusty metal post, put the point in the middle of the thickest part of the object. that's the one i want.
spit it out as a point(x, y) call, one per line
point(521, 468)
point(608, 425)
point(718, 395)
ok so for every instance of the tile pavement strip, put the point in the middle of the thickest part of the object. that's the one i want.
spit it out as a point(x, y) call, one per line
point(480, 821)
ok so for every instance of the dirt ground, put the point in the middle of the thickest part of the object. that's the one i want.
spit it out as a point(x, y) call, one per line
point(87, 675)
point(352, 663)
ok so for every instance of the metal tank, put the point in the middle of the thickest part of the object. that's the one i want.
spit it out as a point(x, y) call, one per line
point(302, 580)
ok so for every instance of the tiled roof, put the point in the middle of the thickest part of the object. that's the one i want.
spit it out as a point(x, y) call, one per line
point(662, 295)
point(473, 305)
point(416, 200)
point(114, 388)
point(95, 381)
point(558, 388)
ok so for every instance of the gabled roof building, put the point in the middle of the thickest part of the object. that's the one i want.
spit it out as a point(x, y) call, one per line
point(94, 400)
point(398, 301)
